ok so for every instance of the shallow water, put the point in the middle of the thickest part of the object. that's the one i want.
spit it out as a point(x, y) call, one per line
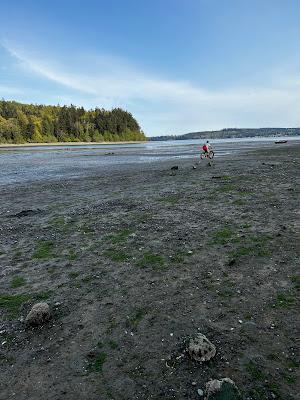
point(29, 164)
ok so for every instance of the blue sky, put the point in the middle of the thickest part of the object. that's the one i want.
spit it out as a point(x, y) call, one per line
point(177, 65)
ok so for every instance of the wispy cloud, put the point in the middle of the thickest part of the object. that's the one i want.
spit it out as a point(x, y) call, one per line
point(114, 82)
point(164, 105)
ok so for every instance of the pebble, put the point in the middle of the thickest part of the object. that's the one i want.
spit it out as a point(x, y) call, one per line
point(200, 392)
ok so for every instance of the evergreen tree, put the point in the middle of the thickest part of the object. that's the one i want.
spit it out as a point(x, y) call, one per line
point(38, 123)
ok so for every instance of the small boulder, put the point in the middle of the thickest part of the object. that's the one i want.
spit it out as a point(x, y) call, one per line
point(38, 315)
point(201, 349)
point(231, 262)
point(223, 389)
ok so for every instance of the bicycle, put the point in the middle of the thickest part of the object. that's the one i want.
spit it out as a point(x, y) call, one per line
point(210, 154)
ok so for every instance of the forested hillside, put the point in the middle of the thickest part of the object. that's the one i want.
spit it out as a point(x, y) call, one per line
point(232, 133)
point(30, 123)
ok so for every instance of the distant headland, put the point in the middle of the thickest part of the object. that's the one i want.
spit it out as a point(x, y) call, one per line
point(232, 133)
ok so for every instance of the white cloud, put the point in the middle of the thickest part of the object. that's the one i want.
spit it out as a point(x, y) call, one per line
point(165, 106)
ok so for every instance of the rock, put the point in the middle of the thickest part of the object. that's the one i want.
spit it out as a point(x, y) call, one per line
point(26, 213)
point(174, 168)
point(223, 389)
point(200, 392)
point(231, 262)
point(38, 315)
point(201, 349)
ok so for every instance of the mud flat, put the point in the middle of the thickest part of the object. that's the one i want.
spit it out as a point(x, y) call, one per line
point(135, 260)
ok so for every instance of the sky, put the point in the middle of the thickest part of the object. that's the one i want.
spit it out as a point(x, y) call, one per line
point(177, 65)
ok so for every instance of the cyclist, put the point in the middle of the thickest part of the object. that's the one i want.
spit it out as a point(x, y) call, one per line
point(206, 148)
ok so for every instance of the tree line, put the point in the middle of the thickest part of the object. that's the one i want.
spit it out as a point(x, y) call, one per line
point(32, 123)
point(232, 133)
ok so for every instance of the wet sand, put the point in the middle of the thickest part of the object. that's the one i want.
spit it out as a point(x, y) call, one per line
point(27, 165)
point(134, 259)
point(22, 145)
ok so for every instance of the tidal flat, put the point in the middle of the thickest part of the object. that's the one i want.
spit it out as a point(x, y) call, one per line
point(135, 259)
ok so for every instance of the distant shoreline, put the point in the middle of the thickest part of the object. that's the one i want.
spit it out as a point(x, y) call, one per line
point(3, 145)
point(74, 144)
point(230, 133)
point(165, 139)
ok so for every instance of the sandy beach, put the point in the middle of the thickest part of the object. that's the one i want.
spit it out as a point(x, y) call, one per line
point(136, 259)
point(12, 145)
